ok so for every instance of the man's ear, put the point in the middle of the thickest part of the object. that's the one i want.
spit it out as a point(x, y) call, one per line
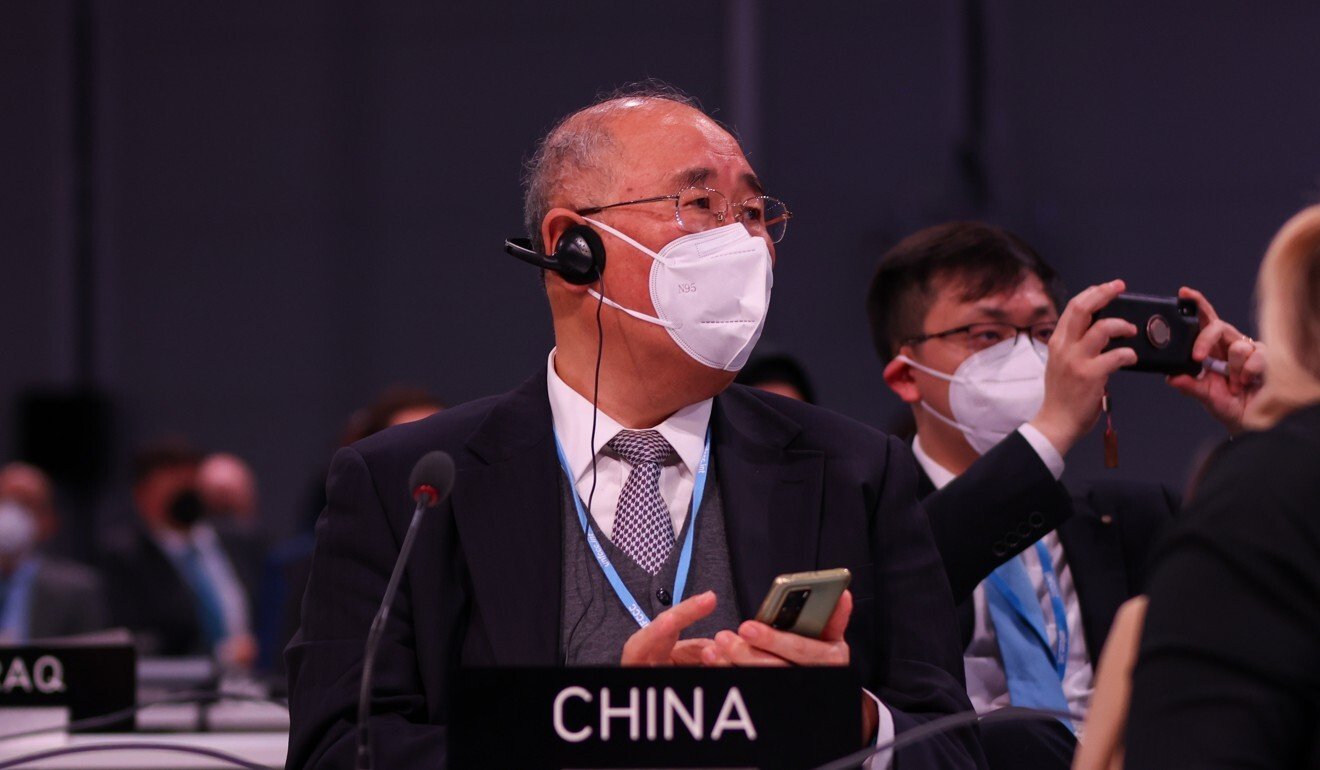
point(556, 221)
point(898, 376)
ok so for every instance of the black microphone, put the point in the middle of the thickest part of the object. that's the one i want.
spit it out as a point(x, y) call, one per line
point(431, 481)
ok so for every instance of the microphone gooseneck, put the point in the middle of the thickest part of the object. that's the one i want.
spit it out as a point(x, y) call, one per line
point(430, 482)
point(945, 724)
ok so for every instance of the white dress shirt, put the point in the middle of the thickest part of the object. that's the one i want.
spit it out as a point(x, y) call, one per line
point(685, 430)
point(987, 686)
point(233, 599)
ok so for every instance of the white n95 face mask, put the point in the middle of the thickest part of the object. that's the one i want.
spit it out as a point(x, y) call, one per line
point(18, 529)
point(994, 391)
point(711, 291)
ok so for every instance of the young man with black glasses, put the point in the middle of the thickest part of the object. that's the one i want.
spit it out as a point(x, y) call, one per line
point(966, 318)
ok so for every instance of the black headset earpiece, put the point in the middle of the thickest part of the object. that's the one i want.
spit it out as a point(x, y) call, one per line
point(579, 255)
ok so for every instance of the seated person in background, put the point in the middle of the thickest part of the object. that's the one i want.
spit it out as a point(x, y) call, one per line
point(229, 492)
point(396, 405)
point(284, 573)
point(40, 596)
point(965, 317)
point(778, 374)
point(1227, 673)
point(177, 584)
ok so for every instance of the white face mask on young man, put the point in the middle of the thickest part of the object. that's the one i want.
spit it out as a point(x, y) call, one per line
point(711, 291)
point(994, 391)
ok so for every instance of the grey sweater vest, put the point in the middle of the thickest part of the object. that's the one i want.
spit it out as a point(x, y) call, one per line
point(593, 622)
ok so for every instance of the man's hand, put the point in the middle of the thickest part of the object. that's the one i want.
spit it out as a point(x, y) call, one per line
point(658, 644)
point(1224, 396)
point(1079, 366)
point(757, 644)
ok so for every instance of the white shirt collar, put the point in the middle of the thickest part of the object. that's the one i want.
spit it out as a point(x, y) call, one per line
point(685, 430)
point(938, 474)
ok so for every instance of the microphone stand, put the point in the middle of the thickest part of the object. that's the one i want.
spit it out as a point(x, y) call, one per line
point(426, 496)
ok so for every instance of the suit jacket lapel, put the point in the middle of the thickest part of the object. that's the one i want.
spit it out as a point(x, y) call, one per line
point(1095, 557)
point(771, 494)
point(508, 518)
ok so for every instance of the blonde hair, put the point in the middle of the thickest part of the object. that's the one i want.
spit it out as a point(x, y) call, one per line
point(1288, 295)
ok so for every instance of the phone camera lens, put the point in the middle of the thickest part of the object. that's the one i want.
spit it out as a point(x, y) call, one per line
point(1158, 331)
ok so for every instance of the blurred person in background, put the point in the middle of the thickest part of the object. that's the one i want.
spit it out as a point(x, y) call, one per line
point(229, 492)
point(284, 574)
point(396, 405)
point(40, 596)
point(779, 374)
point(1227, 672)
point(181, 587)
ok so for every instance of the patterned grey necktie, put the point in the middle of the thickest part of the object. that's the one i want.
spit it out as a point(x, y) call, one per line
point(643, 528)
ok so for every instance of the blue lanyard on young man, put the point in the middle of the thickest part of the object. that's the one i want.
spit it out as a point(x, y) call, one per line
point(611, 574)
point(1061, 644)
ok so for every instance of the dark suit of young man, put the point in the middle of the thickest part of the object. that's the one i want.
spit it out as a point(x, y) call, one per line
point(966, 317)
point(802, 489)
point(1008, 499)
point(1005, 502)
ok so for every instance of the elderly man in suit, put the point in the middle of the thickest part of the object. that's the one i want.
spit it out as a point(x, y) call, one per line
point(40, 596)
point(632, 437)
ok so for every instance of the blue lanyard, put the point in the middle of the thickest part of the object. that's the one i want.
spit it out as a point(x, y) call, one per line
point(14, 622)
point(1056, 603)
point(1061, 644)
point(603, 559)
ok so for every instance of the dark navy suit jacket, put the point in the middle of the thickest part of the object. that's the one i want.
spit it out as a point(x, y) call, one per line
point(1008, 499)
point(1005, 502)
point(802, 489)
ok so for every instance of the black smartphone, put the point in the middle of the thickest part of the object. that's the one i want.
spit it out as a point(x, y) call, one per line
point(1166, 329)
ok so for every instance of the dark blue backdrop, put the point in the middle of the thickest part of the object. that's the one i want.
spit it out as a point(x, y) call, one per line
point(294, 204)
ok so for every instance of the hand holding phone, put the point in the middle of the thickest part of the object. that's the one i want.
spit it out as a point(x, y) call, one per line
point(795, 603)
point(803, 602)
point(1167, 328)
point(1079, 366)
point(1236, 364)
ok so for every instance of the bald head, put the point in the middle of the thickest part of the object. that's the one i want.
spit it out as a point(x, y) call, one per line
point(227, 485)
point(583, 159)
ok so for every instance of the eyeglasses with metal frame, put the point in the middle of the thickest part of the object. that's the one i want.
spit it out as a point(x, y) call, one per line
point(698, 209)
point(979, 336)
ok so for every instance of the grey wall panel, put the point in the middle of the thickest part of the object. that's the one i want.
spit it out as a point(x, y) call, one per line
point(36, 307)
point(307, 205)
